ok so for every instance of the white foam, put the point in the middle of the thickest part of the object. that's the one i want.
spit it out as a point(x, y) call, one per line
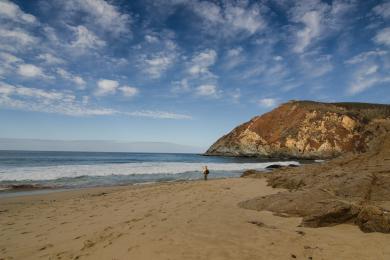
point(72, 171)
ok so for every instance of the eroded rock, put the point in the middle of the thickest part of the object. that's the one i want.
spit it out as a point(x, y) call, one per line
point(350, 189)
point(304, 129)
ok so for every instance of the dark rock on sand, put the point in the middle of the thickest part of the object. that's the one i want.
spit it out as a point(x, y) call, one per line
point(23, 187)
point(373, 219)
point(270, 167)
point(274, 166)
point(250, 172)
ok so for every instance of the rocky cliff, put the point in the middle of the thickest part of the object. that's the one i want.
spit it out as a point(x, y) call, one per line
point(307, 130)
point(349, 189)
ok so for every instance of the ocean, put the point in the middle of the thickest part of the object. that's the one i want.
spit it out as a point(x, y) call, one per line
point(92, 169)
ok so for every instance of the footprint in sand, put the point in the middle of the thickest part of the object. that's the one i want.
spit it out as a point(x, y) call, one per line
point(88, 244)
point(45, 247)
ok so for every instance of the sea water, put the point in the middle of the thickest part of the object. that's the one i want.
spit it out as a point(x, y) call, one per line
point(89, 169)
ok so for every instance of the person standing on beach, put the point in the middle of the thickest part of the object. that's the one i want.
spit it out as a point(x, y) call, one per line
point(205, 172)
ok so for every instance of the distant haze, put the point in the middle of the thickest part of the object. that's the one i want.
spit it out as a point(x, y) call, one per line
point(95, 146)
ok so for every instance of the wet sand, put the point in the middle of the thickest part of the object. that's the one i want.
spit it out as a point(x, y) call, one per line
point(181, 220)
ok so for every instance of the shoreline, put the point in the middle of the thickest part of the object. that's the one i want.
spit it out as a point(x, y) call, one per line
point(177, 220)
point(9, 192)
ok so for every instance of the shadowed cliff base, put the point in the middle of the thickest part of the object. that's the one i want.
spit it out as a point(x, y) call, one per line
point(350, 189)
point(306, 130)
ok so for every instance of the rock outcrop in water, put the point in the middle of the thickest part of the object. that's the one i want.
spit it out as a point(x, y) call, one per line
point(306, 130)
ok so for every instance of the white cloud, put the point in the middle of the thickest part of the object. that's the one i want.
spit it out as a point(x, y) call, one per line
point(362, 57)
point(50, 59)
point(230, 19)
point(316, 65)
point(79, 81)
point(181, 86)
point(158, 114)
point(106, 87)
point(311, 30)
point(30, 71)
point(235, 95)
point(267, 102)
point(11, 11)
point(8, 63)
point(278, 58)
point(48, 101)
point(383, 10)
point(101, 14)
point(246, 18)
point(201, 63)
point(156, 61)
point(234, 52)
point(234, 57)
point(207, 90)
point(155, 65)
point(315, 20)
point(17, 36)
point(365, 83)
point(85, 39)
point(9, 58)
point(151, 39)
point(367, 77)
point(66, 103)
point(383, 36)
point(129, 91)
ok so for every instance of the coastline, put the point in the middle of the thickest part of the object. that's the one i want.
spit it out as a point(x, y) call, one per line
point(176, 220)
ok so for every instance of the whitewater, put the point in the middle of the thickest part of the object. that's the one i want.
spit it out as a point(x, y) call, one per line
point(88, 169)
point(74, 171)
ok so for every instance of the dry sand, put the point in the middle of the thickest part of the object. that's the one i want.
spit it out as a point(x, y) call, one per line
point(183, 220)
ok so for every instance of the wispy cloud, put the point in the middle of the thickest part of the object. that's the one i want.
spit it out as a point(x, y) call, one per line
point(367, 77)
point(17, 36)
point(85, 39)
point(106, 87)
point(229, 19)
point(129, 91)
point(207, 90)
point(159, 55)
point(383, 10)
point(50, 59)
point(201, 62)
point(100, 14)
point(311, 30)
point(267, 102)
point(66, 103)
point(316, 20)
point(364, 56)
point(31, 71)
point(383, 37)
point(76, 79)
point(11, 11)
point(158, 114)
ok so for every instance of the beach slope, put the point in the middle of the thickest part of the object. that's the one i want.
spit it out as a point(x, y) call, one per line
point(182, 220)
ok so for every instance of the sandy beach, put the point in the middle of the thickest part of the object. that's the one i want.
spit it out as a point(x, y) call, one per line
point(181, 220)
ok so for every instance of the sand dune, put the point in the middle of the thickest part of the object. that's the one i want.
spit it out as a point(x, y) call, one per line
point(186, 220)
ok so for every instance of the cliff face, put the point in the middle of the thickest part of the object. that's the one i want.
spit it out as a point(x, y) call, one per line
point(305, 129)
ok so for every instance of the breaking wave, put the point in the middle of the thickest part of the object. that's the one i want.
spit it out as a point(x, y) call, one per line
point(145, 168)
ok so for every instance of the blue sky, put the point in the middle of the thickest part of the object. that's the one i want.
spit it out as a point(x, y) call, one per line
point(178, 70)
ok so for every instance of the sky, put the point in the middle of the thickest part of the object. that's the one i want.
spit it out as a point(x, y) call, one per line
point(181, 71)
